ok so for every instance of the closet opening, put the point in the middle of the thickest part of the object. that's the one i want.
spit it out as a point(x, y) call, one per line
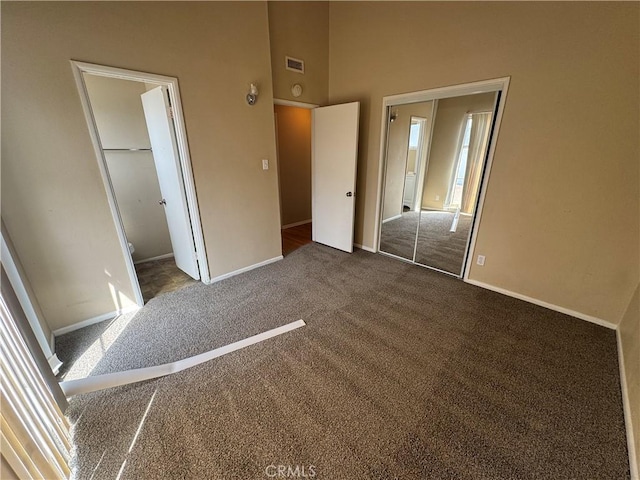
point(430, 206)
point(135, 121)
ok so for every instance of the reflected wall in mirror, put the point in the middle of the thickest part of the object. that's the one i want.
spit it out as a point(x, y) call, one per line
point(407, 148)
point(435, 159)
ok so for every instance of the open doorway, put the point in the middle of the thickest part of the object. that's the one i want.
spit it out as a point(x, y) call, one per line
point(293, 142)
point(138, 133)
point(414, 170)
point(317, 165)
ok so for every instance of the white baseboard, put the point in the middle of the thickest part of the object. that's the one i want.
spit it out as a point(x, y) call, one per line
point(93, 320)
point(55, 363)
point(159, 257)
point(366, 249)
point(110, 380)
point(392, 218)
point(626, 403)
point(245, 269)
point(296, 224)
point(550, 306)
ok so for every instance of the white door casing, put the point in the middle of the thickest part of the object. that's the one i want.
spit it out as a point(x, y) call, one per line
point(333, 162)
point(165, 155)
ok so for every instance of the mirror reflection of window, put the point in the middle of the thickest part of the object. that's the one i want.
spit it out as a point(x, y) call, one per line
point(414, 139)
point(455, 190)
point(413, 164)
point(465, 180)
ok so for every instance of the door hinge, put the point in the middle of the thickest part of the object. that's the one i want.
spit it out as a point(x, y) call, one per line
point(170, 112)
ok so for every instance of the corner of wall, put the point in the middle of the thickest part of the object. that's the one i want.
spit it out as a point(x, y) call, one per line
point(628, 335)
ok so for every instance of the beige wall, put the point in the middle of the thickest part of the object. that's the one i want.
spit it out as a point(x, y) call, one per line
point(449, 123)
point(564, 173)
point(294, 163)
point(53, 200)
point(629, 332)
point(396, 163)
point(118, 112)
point(42, 319)
point(300, 30)
point(137, 190)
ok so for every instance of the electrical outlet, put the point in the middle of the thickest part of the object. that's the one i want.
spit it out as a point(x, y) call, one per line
point(480, 260)
point(265, 164)
point(437, 197)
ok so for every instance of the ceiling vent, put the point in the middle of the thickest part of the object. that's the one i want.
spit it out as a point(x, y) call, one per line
point(294, 64)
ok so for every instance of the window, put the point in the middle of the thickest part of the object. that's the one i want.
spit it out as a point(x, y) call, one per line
point(35, 434)
point(457, 182)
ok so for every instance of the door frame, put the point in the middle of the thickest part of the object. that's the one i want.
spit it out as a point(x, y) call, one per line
point(287, 103)
point(171, 83)
point(484, 86)
point(420, 161)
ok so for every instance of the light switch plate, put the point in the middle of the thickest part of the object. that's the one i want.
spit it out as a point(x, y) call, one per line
point(265, 164)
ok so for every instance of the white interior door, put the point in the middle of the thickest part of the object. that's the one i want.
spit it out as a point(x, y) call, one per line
point(334, 160)
point(165, 155)
point(409, 190)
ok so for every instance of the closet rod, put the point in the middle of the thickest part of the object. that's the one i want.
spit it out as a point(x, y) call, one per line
point(126, 149)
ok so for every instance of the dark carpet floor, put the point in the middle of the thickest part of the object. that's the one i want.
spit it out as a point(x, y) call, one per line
point(437, 247)
point(401, 372)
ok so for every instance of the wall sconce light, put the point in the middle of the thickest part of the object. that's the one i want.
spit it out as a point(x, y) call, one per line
point(393, 116)
point(252, 96)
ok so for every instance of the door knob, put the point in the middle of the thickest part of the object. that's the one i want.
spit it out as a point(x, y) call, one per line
point(349, 194)
point(162, 202)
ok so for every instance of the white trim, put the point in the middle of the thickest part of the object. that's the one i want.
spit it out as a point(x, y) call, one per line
point(20, 290)
point(245, 269)
point(171, 83)
point(153, 259)
point(550, 306)
point(395, 217)
point(93, 320)
point(55, 363)
point(364, 247)
point(296, 224)
point(291, 103)
point(397, 257)
point(384, 133)
point(483, 86)
point(626, 404)
point(100, 382)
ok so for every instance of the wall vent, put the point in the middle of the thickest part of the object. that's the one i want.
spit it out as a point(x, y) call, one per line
point(294, 64)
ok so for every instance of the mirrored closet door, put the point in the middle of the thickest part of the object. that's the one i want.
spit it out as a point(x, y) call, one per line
point(435, 159)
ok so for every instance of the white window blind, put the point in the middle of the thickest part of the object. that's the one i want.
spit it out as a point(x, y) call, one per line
point(34, 433)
